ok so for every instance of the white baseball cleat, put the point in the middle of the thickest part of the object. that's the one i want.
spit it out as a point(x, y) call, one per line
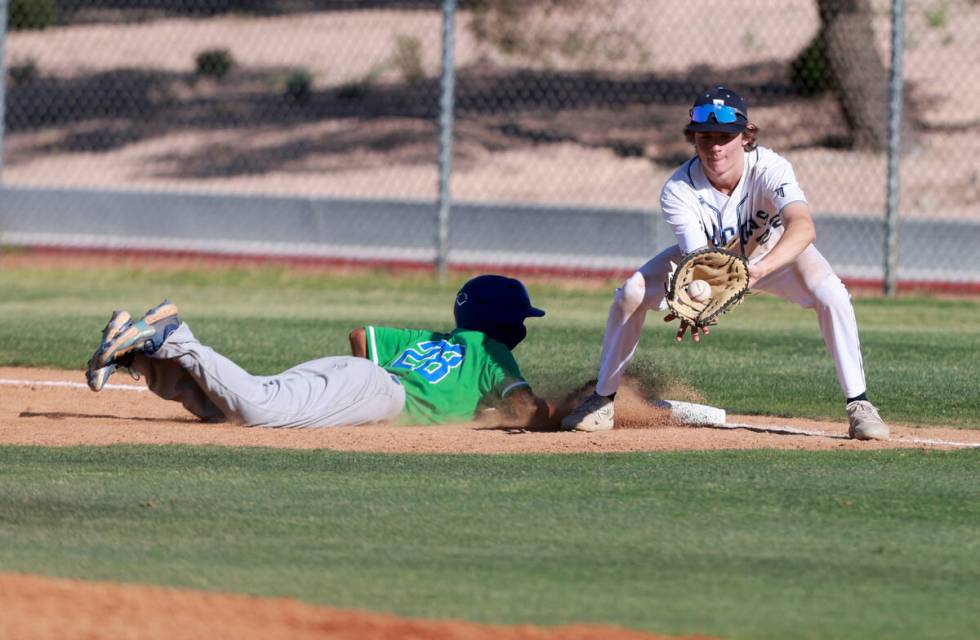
point(866, 424)
point(594, 414)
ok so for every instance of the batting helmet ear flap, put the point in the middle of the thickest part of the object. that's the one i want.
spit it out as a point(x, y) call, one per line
point(510, 334)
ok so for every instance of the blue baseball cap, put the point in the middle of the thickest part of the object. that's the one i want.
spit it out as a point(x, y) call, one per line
point(719, 109)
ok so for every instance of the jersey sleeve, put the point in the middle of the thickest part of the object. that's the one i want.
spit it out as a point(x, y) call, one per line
point(780, 183)
point(504, 375)
point(680, 211)
point(384, 344)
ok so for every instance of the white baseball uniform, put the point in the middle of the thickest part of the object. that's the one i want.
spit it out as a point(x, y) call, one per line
point(699, 214)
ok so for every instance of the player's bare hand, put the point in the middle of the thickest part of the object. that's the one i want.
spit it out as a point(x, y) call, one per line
point(696, 332)
point(756, 272)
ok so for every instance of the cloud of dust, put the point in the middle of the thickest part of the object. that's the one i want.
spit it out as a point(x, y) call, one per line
point(633, 408)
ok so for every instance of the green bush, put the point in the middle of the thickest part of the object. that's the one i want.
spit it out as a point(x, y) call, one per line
point(31, 14)
point(810, 72)
point(407, 58)
point(215, 63)
point(23, 71)
point(299, 86)
point(937, 15)
point(359, 89)
point(353, 91)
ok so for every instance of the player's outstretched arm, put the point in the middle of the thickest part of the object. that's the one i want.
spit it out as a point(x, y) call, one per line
point(358, 342)
point(522, 407)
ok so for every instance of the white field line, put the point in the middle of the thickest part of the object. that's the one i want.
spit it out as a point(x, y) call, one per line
point(61, 383)
point(824, 434)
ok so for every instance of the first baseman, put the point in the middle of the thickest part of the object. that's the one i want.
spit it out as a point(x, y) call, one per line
point(738, 195)
point(405, 375)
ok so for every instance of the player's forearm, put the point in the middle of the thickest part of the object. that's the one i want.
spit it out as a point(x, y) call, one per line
point(798, 235)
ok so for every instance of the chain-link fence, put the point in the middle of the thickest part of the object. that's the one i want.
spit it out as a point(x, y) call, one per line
point(568, 118)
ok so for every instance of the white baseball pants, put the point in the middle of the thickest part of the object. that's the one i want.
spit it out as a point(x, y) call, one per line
point(809, 281)
point(328, 392)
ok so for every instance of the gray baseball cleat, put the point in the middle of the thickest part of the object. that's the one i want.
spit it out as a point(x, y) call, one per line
point(594, 414)
point(96, 375)
point(146, 335)
point(866, 424)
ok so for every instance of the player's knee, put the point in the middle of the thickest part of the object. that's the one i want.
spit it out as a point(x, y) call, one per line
point(630, 296)
point(831, 293)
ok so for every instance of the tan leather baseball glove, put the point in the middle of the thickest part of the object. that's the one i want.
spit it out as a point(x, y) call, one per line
point(726, 274)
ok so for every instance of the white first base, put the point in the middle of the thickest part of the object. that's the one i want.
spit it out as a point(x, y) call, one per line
point(691, 413)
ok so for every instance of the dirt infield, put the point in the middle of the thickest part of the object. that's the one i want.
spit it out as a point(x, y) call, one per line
point(54, 408)
point(59, 609)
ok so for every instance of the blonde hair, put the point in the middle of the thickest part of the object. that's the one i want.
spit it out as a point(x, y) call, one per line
point(748, 136)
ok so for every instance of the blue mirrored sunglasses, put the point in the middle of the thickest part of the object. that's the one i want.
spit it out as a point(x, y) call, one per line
point(722, 113)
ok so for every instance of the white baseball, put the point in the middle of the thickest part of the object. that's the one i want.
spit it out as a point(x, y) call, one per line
point(699, 290)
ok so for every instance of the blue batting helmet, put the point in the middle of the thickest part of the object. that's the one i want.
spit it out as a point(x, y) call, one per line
point(497, 306)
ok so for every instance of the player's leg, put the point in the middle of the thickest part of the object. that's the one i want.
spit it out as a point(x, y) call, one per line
point(811, 282)
point(337, 391)
point(123, 346)
point(326, 392)
point(178, 367)
point(642, 291)
point(168, 380)
point(239, 395)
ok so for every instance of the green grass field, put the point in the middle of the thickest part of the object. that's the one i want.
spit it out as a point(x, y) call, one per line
point(767, 357)
point(747, 544)
point(755, 544)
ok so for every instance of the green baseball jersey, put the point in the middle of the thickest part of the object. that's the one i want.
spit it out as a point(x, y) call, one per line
point(446, 375)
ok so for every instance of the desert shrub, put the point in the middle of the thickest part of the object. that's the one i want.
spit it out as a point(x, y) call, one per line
point(353, 91)
point(359, 89)
point(407, 58)
point(22, 71)
point(937, 15)
point(31, 14)
point(215, 63)
point(299, 86)
point(549, 32)
point(810, 72)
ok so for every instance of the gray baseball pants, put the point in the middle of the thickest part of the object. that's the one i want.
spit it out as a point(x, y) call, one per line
point(328, 392)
